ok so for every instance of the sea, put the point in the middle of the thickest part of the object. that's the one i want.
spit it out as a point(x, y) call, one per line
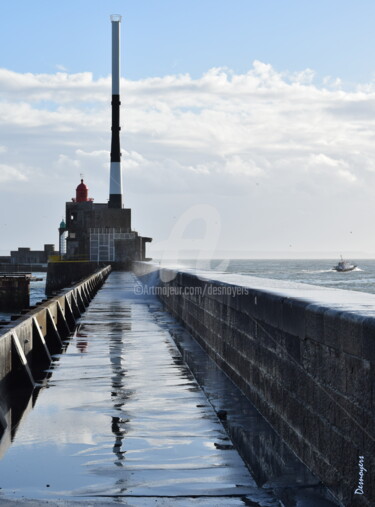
point(315, 272)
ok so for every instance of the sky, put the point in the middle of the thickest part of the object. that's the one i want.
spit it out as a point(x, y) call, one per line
point(248, 127)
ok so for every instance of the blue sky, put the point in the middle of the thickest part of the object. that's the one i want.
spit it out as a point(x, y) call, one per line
point(333, 37)
point(253, 120)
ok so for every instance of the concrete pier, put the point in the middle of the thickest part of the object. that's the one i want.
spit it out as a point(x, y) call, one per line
point(28, 345)
point(14, 291)
point(304, 355)
point(61, 274)
point(122, 419)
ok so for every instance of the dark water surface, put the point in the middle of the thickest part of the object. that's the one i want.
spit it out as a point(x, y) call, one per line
point(37, 288)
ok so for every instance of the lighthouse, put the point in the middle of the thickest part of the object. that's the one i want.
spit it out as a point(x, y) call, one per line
point(102, 232)
point(115, 180)
point(96, 234)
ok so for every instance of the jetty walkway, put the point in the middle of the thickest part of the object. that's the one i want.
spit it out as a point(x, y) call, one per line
point(123, 420)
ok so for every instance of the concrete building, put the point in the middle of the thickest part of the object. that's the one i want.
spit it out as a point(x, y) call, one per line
point(100, 233)
point(25, 256)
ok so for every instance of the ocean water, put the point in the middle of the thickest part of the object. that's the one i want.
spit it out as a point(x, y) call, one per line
point(315, 272)
point(37, 288)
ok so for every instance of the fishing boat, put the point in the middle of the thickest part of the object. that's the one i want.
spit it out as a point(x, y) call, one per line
point(343, 266)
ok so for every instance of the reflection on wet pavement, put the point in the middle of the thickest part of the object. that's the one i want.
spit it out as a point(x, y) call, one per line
point(123, 420)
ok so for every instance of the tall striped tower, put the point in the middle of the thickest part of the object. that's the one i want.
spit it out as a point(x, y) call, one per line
point(115, 181)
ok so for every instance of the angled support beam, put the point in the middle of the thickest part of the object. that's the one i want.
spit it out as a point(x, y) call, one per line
point(69, 315)
point(62, 324)
point(84, 297)
point(20, 368)
point(75, 308)
point(80, 302)
point(54, 341)
point(40, 352)
point(3, 421)
point(88, 292)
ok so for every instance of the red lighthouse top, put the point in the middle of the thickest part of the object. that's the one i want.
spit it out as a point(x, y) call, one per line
point(82, 193)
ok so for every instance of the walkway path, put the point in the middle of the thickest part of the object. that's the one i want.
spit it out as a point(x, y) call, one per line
point(122, 420)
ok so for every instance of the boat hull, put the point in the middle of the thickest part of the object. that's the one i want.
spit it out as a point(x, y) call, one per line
point(344, 270)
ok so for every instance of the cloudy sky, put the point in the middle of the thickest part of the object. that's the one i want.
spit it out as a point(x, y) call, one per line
point(248, 127)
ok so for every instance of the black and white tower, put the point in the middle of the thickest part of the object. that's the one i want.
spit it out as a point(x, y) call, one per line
point(115, 182)
point(102, 232)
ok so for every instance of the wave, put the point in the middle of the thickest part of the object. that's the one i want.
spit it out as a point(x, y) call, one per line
point(316, 271)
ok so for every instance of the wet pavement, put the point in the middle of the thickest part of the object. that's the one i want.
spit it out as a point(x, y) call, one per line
point(123, 420)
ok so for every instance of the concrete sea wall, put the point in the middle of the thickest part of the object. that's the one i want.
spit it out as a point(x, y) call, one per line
point(304, 355)
point(28, 344)
point(62, 274)
point(22, 268)
point(14, 292)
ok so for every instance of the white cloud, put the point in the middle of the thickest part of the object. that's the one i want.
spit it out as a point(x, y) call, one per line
point(61, 67)
point(347, 175)
point(265, 136)
point(59, 88)
point(9, 173)
point(323, 160)
point(64, 162)
point(331, 169)
point(96, 154)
